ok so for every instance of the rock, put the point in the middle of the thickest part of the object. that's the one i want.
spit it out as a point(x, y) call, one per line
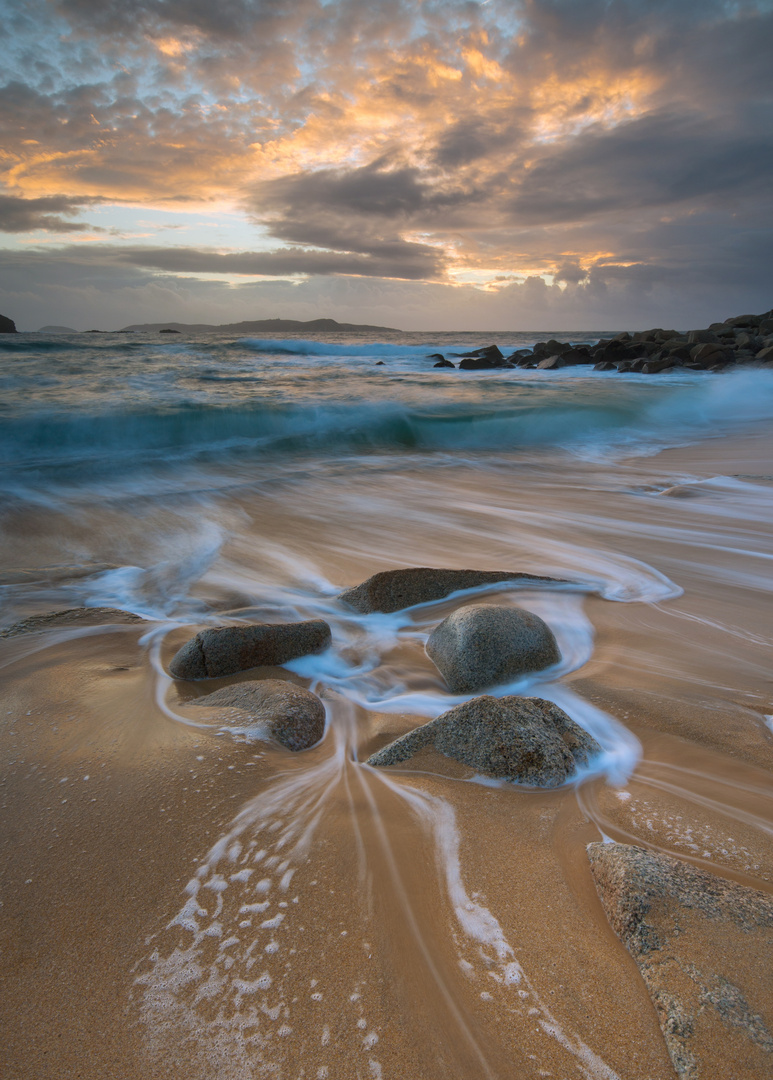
point(701, 353)
point(520, 357)
point(478, 363)
point(702, 337)
point(765, 355)
point(228, 649)
point(485, 645)
point(436, 356)
point(169, 331)
point(663, 363)
point(394, 590)
point(605, 365)
point(290, 714)
point(703, 947)
point(7, 326)
point(551, 363)
point(528, 740)
point(444, 363)
point(751, 321)
point(580, 355)
point(489, 352)
point(634, 366)
point(379, 363)
point(68, 619)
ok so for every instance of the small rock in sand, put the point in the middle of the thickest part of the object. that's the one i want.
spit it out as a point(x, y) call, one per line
point(529, 740)
point(228, 649)
point(288, 713)
point(483, 645)
point(68, 619)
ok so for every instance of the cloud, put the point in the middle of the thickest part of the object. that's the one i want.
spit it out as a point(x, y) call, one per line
point(407, 261)
point(28, 215)
point(602, 143)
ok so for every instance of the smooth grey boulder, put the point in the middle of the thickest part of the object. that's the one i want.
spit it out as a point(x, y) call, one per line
point(528, 740)
point(290, 714)
point(228, 649)
point(393, 590)
point(483, 645)
point(702, 945)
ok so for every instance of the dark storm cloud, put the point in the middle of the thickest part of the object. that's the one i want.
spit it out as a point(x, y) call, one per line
point(653, 161)
point(374, 189)
point(28, 215)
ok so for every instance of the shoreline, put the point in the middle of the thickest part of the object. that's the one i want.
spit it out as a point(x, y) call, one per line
point(97, 867)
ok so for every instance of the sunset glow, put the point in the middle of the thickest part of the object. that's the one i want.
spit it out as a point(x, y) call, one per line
point(423, 145)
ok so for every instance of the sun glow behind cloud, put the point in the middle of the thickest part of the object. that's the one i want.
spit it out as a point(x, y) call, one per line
point(443, 142)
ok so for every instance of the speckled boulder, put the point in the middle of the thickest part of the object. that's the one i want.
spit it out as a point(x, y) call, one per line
point(483, 645)
point(228, 649)
point(528, 740)
point(393, 590)
point(703, 946)
point(290, 714)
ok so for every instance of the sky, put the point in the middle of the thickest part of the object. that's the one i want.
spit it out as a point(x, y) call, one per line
point(427, 165)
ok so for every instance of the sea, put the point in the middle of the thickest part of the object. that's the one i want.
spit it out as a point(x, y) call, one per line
point(198, 479)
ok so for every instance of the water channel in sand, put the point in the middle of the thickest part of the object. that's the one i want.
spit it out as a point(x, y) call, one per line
point(183, 900)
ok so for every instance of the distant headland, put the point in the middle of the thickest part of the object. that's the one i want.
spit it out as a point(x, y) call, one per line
point(318, 326)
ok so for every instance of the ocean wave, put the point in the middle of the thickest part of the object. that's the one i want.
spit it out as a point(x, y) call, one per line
point(588, 418)
point(311, 347)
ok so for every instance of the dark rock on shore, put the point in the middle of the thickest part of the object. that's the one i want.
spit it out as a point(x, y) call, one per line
point(703, 947)
point(70, 618)
point(228, 649)
point(7, 326)
point(444, 363)
point(740, 340)
point(484, 645)
point(393, 590)
point(290, 714)
point(528, 740)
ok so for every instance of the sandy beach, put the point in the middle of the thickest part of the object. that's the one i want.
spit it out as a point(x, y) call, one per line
point(353, 922)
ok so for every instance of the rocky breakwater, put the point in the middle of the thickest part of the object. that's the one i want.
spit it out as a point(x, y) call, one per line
point(524, 740)
point(273, 708)
point(703, 946)
point(742, 339)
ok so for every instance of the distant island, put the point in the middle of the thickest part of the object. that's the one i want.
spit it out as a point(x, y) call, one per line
point(264, 325)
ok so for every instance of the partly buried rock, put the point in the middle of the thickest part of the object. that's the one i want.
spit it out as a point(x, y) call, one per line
point(228, 649)
point(484, 644)
point(703, 947)
point(442, 362)
point(393, 590)
point(287, 713)
point(529, 740)
point(70, 618)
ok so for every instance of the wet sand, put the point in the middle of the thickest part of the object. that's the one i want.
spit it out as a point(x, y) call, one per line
point(348, 922)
